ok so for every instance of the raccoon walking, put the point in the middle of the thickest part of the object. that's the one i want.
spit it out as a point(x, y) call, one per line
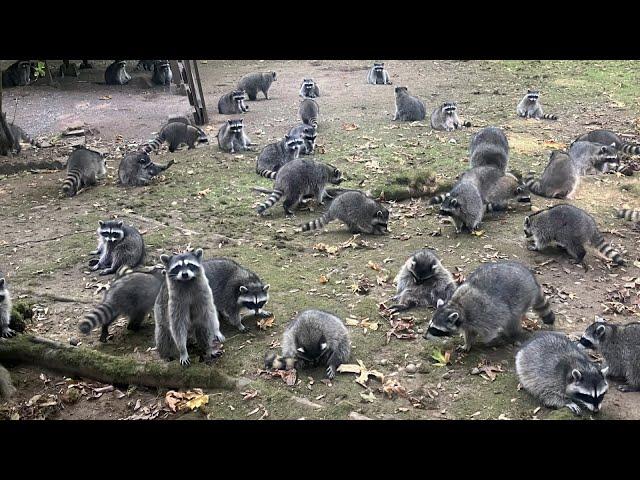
point(257, 82)
point(378, 75)
point(118, 245)
point(176, 134)
point(137, 169)
point(232, 103)
point(445, 117)
point(408, 108)
point(232, 137)
point(556, 372)
point(360, 213)
point(570, 228)
point(489, 306)
point(18, 74)
point(309, 111)
point(591, 157)
point(308, 135)
point(560, 178)
point(607, 137)
point(489, 147)
point(5, 309)
point(275, 155)
point(309, 89)
point(116, 73)
point(84, 168)
point(184, 306)
point(530, 107)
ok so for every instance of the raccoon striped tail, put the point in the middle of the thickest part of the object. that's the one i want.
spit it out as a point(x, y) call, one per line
point(628, 214)
point(317, 223)
point(267, 173)
point(273, 198)
point(72, 183)
point(630, 148)
point(606, 249)
point(103, 314)
point(549, 116)
point(154, 144)
point(533, 185)
point(313, 122)
point(543, 310)
point(438, 199)
point(122, 271)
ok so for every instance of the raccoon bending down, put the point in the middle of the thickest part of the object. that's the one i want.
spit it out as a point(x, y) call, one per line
point(590, 157)
point(489, 306)
point(629, 215)
point(20, 135)
point(5, 309)
point(555, 371)
point(308, 135)
point(232, 137)
point(237, 291)
point(118, 245)
point(309, 111)
point(378, 75)
point(162, 74)
point(309, 89)
point(620, 347)
point(607, 137)
point(116, 73)
point(84, 168)
point(313, 338)
point(275, 155)
point(505, 189)
point(232, 103)
point(489, 147)
point(17, 74)
point(360, 213)
point(408, 108)
point(446, 118)
point(422, 282)
point(300, 178)
point(530, 107)
point(560, 178)
point(175, 134)
point(256, 82)
point(570, 228)
point(184, 306)
point(137, 169)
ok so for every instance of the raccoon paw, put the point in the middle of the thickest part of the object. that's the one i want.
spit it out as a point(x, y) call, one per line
point(184, 361)
point(628, 388)
point(533, 248)
point(8, 333)
point(331, 372)
point(574, 408)
point(219, 337)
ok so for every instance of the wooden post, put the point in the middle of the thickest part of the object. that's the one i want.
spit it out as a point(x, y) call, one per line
point(196, 98)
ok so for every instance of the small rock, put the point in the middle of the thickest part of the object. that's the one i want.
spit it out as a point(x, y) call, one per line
point(420, 331)
point(446, 376)
point(383, 362)
point(74, 342)
point(452, 140)
point(411, 368)
point(358, 416)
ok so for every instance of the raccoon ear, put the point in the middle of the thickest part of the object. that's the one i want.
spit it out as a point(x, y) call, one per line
point(605, 371)
point(198, 253)
point(454, 202)
point(229, 122)
point(603, 149)
point(439, 303)
point(576, 375)
point(101, 223)
point(243, 289)
point(600, 330)
point(120, 223)
point(165, 259)
point(454, 318)
point(266, 287)
point(527, 221)
point(1, 282)
point(323, 346)
point(300, 349)
point(379, 213)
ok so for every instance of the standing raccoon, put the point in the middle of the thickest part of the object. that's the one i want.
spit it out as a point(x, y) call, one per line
point(184, 306)
point(300, 178)
point(20, 135)
point(530, 107)
point(5, 309)
point(555, 371)
point(309, 89)
point(118, 245)
point(620, 347)
point(176, 134)
point(17, 74)
point(232, 137)
point(378, 75)
point(607, 137)
point(232, 103)
point(257, 82)
point(489, 147)
point(313, 338)
point(236, 290)
point(275, 155)
point(408, 108)
point(84, 168)
point(162, 74)
point(137, 169)
point(116, 73)
point(422, 282)
point(446, 118)
point(309, 111)
point(308, 135)
point(489, 306)
point(133, 295)
point(560, 178)
point(570, 228)
point(591, 157)
point(360, 213)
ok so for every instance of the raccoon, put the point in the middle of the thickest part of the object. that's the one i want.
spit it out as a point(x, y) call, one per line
point(560, 178)
point(489, 147)
point(620, 347)
point(256, 82)
point(555, 371)
point(232, 103)
point(118, 245)
point(309, 89)
point(530, 107)
point(17, 74)
point(445, 118)
point(275, 155)
point(505, 189)
point(589, 157)
point(132, 294)
point(570, 228)
point(5, 309)
point(175, 134)
point(137, 169)
point(237, 291)
point(607, 137)
point(146, 64)
point(308, 134)
point(309, 111)
point(313, 338)
point(378, 75)
point(422, 282)
point(7, 390)
point(84, 168)
point(488, 307)
point(232, 138)
point(6, 137)
point(116, 73)
point(162, 74)
point(181, 119)
point(184, 306)
point(300, 178)
point(20, 135)
point(408, 108)
point(629, 215)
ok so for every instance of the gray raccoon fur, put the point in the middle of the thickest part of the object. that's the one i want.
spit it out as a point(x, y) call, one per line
point(422, 282)
point(505, 189)
point(20, 135)
point(489, 306)
point(591, 157)
point(181, 119)
point(530, 107)
point(607, 137)
point(7, 390)
point(145, 64)
point(570, 228)
point(237, 291)
point(556, 372)
point(5, 308)
point(360, 213)
point(378, 75)
point(7, 141)
point(560, 178)
point(18, 74)
point(489, 147)
point(116, 73)
point(118, 245)
point(313, 338)
point(308, 135)
point(445, 117)
point(137, 169)
point(232, 103)
point(175, 134)
point(272, 157)
point(309, 89)
point(309, 111)
point(133, 294)
point(408, 107)
point(162, 74)
point(628, 214)
point(300, 178)
point(232, 137)
point(620, 347)
point(257, 82)
point(184, 306)
point(84, 168)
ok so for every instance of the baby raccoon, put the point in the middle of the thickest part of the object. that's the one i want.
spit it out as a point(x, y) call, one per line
point(360, 213)
point(275, 155)
point(5, 309)
point(17, 74)
point(116, 74)
point(308, 135)
point(118, 245)
point(257, 82)
point(309, 89)
point(378, 75)
point(84, 168)
point(555, 371)
point(560, 178)
point(232, 137)
point(162, 74)
point(137, 169)
point(445, 118)
point(408, 108)
point(422, 282)
point(20, 135)
point(309, 111)
point(607, 137)
point(629, 215)
point(489, 147)
point(232, 103)
point(570, 228)
point(620, 347)
point(489, 306)
point(300, 178)
point(529, 107)
point(505, 189)
point(590, 157)
point(132, 294)
point(313, 338)
point(175, 134)
point(237, 291)
point(184, 307)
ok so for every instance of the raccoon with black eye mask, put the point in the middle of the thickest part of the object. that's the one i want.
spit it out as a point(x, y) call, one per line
point(445, 117)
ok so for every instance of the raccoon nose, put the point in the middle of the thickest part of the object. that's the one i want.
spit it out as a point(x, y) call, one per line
point(184, 275)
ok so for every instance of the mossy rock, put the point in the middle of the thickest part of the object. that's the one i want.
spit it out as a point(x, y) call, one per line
point(20, 312)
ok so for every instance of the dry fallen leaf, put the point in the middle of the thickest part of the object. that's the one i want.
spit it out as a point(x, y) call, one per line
point(265, 323)
point(350, 126)
point(361, 370)
point(488, 372)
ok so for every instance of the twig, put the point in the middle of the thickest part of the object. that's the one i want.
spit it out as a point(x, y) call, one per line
point(186, 231)
point(56, 298)
point(52, 239)
point(261, 190)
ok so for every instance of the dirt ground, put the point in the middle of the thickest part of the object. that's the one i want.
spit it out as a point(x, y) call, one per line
point(46, 237)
